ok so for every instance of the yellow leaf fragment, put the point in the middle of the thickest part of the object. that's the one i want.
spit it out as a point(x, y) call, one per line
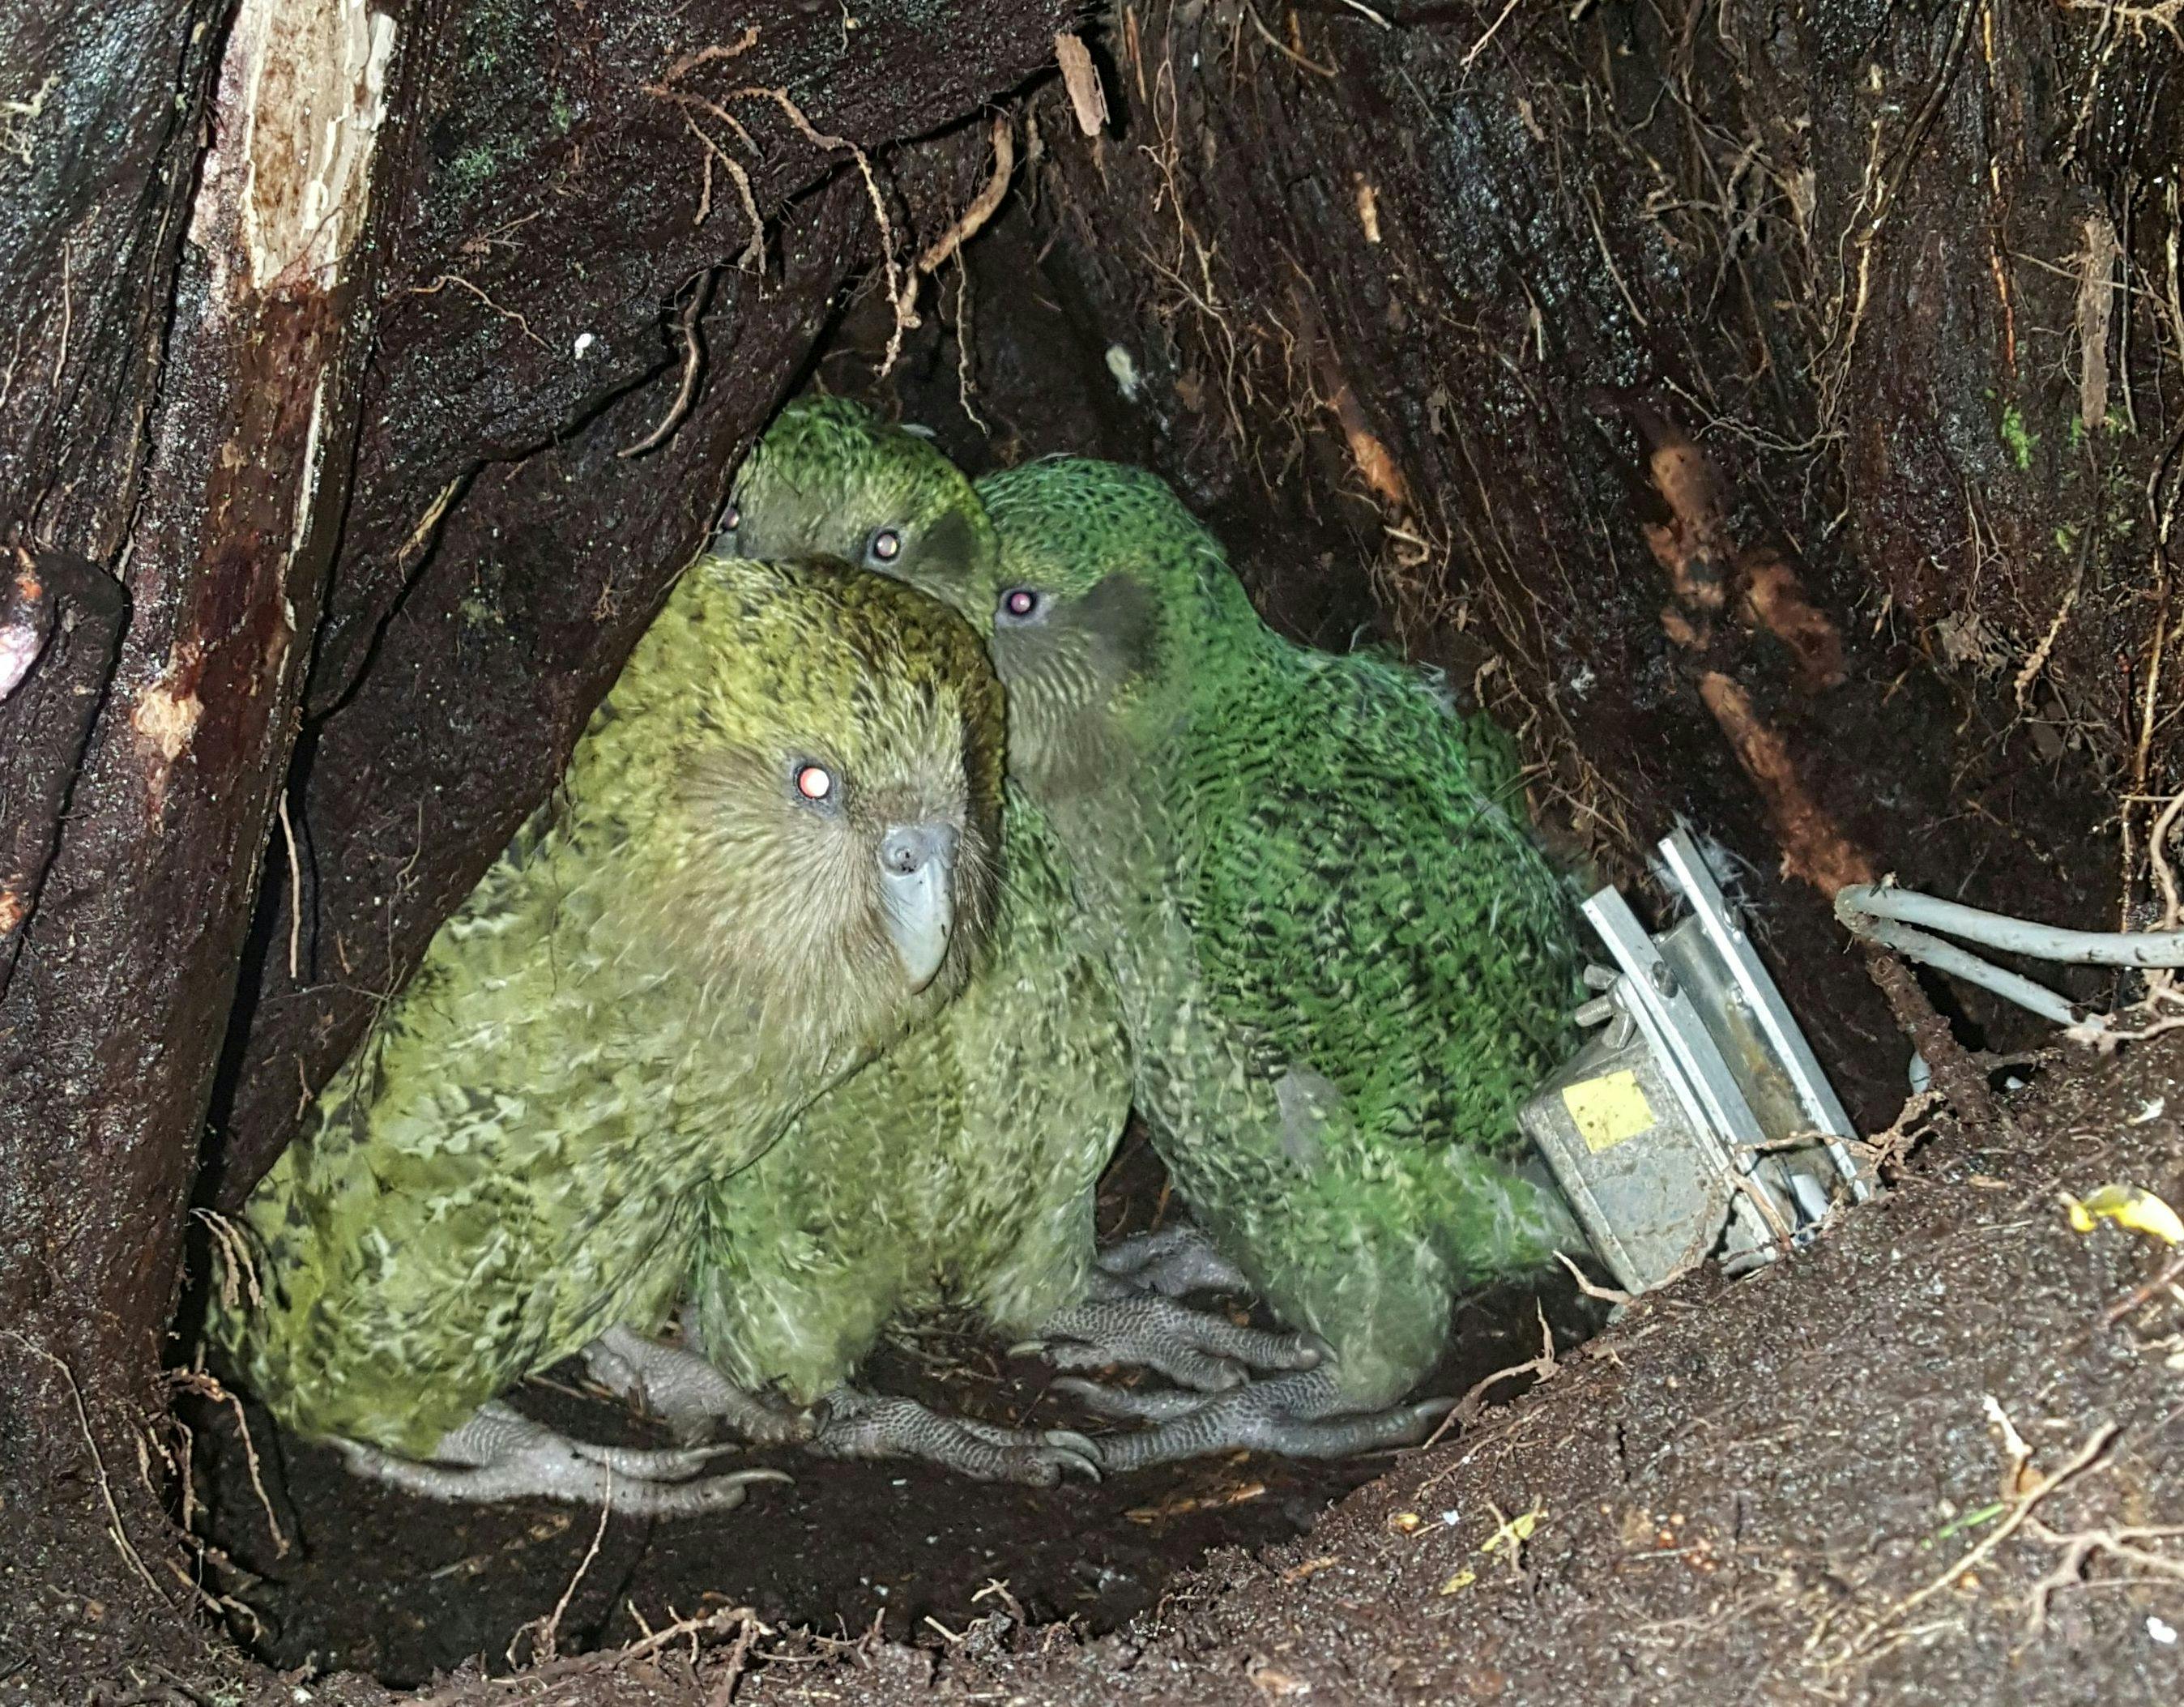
point(2142, 1211)
point(1463, 1580)
point(1516, 1530)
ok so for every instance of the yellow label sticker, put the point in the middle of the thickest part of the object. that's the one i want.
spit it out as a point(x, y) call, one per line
point(1608, 1109)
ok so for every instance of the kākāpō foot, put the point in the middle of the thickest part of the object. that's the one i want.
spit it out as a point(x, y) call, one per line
point(1196, 1349)
point(682, 1390)
point(862, 1424)
point(1172, 1261)
point(1305, 1414)
point(501, 1454)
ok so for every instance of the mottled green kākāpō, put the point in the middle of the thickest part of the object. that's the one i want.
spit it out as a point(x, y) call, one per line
point(772, 855)
point(962, 1166)
point(1343, 964)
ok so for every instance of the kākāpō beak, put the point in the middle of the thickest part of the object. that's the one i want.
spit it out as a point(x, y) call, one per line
point(917, 872)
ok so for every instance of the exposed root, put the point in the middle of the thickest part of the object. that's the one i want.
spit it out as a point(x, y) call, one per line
point(547, 1646)
point(2021, 1508)
point(207, 1386)
point(983, 205)
point(693, 363)
point(901, 297)
point(1813, 847)
point(295, 893)
point(444, 280)
point(115, 1531)
point(1543, 1368)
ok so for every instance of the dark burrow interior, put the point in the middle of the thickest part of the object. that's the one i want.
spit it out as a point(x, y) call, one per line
point(324, 1572)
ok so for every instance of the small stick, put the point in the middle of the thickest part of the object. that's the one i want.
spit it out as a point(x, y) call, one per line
point(2082, 1460)
point(694, 360)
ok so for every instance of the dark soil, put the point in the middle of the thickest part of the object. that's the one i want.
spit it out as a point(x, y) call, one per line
point(378, 1582)
point(1738, 1492)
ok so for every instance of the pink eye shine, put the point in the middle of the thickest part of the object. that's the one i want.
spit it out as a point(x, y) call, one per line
point(1021, 603)
point(814, 782)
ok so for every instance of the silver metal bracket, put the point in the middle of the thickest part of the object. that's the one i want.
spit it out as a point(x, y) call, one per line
point(1697, 1121)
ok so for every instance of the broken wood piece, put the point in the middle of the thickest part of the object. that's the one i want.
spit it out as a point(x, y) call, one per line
point(1081, 77)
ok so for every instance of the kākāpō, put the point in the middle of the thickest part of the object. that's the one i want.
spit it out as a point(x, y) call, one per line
point(962, 1166)
point(771, 856)
point(1344, 964)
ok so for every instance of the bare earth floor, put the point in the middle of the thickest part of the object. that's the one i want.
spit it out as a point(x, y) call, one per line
point(1932, 1462)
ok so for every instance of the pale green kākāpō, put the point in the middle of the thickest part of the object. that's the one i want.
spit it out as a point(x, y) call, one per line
point(962, 1166)
point(1343, 964)
point(772, 855)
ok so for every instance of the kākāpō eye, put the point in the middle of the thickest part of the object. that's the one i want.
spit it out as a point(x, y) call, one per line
point(1020, 603)
point(733, 518)
point(885, 545)
point(814, 782)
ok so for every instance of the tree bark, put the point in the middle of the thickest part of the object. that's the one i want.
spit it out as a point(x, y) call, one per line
point(1764, 411)
point(391, 357)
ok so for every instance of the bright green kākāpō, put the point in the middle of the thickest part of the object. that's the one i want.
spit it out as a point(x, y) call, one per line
point(771, 856)
point(962, 1166)
point(1343, 964)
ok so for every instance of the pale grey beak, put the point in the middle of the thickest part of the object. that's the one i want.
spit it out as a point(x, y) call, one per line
point(917, 892)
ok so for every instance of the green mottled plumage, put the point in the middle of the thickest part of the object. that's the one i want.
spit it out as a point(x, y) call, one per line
point(662, 969)
point(961, 1165)
point(1343, 964)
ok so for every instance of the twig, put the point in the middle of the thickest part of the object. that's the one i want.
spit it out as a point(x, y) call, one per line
point(1479, 46)
point(2144, 1295)
point(738, 1658)
point(982, 205)
point(295, 890)
point(547, 1647)
point(2021, 1508)
point(694, 361)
